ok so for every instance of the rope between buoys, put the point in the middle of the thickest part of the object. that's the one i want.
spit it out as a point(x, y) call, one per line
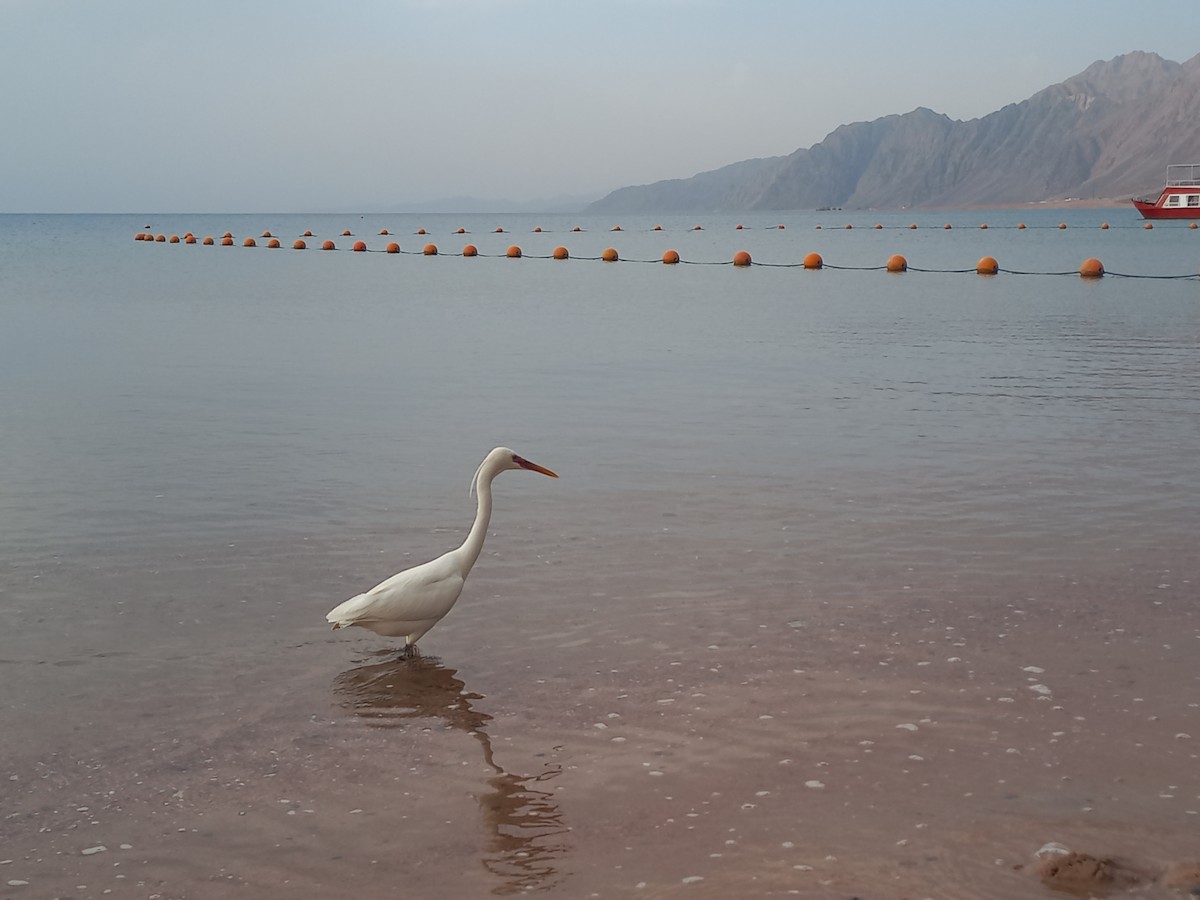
point(1074, 272)
point(1152, 277)
point(939, 271)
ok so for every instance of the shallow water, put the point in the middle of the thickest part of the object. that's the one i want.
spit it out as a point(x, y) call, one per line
point(853, 583)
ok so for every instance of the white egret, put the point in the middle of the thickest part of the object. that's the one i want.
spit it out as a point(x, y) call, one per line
point(411, 602)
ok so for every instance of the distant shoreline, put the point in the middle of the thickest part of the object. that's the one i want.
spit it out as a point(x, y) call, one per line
point(1091, 203)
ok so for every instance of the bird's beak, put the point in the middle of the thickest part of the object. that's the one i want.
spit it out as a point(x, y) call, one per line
point(533, 467)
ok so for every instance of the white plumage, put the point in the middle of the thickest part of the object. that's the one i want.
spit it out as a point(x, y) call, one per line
point(411, 602)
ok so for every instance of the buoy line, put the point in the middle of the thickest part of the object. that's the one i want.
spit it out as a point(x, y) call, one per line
point(1089, 268)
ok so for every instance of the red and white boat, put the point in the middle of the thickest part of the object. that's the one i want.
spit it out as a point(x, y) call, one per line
point(1180, 199)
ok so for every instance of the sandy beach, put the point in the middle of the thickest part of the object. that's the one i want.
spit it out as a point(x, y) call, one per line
point(707, 736)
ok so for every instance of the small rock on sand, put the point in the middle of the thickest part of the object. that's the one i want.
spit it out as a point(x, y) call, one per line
point(1084, 875)
point(1052, 849)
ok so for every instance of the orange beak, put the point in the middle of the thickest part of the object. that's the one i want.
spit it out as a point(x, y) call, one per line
point(533, 467)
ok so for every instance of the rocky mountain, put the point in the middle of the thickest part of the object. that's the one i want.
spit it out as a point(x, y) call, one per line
point(1109, 131)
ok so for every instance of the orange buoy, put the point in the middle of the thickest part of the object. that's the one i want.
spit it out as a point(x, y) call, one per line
point(208, 242)
point(347, 233)
point(1193, 225)
point(912, 226)
point(537, 229)
point(307, 233)
point(328, 245)
point(140, 236)
point(299, 245)
point(813, 261)
point(190, 239)
point(227, 234)
point(1104, 226)
point(1020, 226)
point(420, 231)
point(737, 227)
point(187, 235)
point(577, 228)
point(430, 250)
point(499, 231)
point(987, 266)
point(383, 232)
point(616, 228)
point(470, 250)
point(1091, 268)
point(273, 243)
point(560, 253)
point(173, 239)
point(697, 228)
point(1062, 225)
point(227, 242)
point(513, 252)
point(781, 227)
point(1148, 225)
point(609, 254)
point(818, 228)
point(878, 227)
point(359, 246)
point(658, 228)
point(162, 238)
point(947, 226)
point(267, 234)
point(897, 263)
point(248, 242)
point(670, 257)
point(460, 231)
point(741, 258)
point(984, 226)
point(393, 247)
point(848, 226)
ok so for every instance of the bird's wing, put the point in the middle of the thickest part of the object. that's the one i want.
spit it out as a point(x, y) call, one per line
point(426, 591)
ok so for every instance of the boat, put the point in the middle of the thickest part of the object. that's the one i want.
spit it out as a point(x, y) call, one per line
point(1180, 199)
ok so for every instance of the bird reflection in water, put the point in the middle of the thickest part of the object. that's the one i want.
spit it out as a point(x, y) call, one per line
point(527, 832)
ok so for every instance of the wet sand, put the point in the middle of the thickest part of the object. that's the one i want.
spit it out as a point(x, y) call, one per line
point(754, 722)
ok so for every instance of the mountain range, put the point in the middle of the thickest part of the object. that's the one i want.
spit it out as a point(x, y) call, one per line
point(1108, 132)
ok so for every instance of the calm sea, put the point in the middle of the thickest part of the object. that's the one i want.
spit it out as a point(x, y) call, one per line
point(204, 448)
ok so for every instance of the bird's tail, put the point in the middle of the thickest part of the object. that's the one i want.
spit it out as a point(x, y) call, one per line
point(344, 614)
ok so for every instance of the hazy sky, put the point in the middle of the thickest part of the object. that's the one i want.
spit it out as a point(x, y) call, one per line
point(164, 105)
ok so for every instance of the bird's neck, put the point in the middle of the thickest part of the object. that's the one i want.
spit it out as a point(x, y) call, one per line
point(468, 553)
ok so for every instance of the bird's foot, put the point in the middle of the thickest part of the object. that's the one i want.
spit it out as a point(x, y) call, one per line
point(410, 651)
